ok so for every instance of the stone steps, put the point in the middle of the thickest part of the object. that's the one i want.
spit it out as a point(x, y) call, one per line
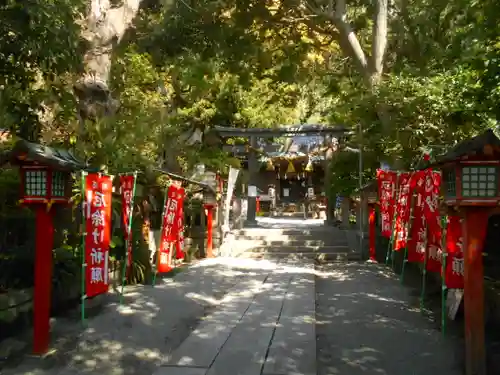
point(318, 256)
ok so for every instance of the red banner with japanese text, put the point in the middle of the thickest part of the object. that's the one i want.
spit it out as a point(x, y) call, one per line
point(179, 243)
point(433, 219)
point(127, 183)
point(98, 189)
point(169, 233)
point(454, 273)
point(386, 191)
point(402, 211)
point(417, 238)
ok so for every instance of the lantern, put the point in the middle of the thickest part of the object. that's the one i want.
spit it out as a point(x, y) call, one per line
point(309, 166)
point(291, 168)
point(41, 184)
point(45, 180)
point(269, 165)
point(471, 183)
point(372, 197)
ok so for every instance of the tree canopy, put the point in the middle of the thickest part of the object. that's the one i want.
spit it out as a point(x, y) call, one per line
point(415, 75)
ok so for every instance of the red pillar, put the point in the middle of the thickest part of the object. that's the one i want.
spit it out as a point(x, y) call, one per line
point(43, 280)
point(371, 231)
point(475, 224)
point(209, 212)
point(257, 204)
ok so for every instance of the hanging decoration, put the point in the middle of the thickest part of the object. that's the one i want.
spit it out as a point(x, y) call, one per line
point(290, 168)
point(269, 165)
point(309, 166)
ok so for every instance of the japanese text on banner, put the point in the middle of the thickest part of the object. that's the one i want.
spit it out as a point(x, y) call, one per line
point(180, 226)
point(170, 227)
point(433, 219)
point(417, 241)
point(402, 211)
point(127, 191)
point(454, 273)
point(98, 189)
point(386, 190)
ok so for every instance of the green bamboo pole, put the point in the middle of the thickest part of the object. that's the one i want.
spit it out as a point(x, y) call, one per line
point(408, 231)
point(161, 231)
point(424, 272)
point(124, 271)
point(84, 234)
point(444, 257)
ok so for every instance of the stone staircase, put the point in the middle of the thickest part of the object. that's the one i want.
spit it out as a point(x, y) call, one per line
point(268, 241)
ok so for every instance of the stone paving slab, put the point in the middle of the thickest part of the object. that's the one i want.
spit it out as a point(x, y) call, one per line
point(245, 351)
point(293, 349)
point(203, 345)
point(169, 370)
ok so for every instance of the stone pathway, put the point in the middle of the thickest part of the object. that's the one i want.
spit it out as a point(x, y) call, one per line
point(280, 316)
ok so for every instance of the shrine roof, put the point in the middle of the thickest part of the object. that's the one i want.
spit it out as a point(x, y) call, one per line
point(474, 145)
point(33, 152)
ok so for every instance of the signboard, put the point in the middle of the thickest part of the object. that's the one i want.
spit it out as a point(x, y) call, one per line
point(286, 192)
point(98, 188)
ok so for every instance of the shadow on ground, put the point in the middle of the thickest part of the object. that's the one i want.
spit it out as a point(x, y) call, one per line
point(369, 324)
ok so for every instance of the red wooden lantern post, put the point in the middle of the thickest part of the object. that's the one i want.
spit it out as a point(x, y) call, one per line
point(471, 186)
point(45, 181)
point(372, 203)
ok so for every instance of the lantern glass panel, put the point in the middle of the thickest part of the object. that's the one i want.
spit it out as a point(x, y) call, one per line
point(479, 181)
point(36, 183)
point(58, 184)
point(450, 188)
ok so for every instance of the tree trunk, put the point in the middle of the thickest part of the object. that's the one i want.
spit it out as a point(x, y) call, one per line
point(104, 27)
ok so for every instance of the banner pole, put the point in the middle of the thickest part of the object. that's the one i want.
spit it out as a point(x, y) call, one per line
point(84, 235)
point(444, 257)
point(408, 236)
point(127, 240)
point(424, 272)
point(158, 251)
point(391, 240)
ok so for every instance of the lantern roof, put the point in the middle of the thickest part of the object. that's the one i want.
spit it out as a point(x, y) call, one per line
point(472, 146)
point(25, 152)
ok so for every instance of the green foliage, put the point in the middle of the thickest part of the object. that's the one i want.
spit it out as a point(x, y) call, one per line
point(39, 44)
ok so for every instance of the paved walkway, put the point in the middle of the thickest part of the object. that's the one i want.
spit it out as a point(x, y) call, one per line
point(234, 316)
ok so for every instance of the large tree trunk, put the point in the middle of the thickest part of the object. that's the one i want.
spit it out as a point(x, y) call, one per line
point(104, 27)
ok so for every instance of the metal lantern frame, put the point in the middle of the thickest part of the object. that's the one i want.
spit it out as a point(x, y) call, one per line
point(43, 184)
point(471, 183)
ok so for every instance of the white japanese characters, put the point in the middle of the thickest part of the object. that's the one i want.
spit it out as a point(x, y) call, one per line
point(98, 202)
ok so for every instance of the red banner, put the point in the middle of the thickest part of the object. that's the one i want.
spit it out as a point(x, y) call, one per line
point(180, 226)
point(127, 191)
point(98, 190)
point(402, 211)
point(433, 219)
point(169, 234)
point(386, 189)
point(454, 275)
point(417, 241)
